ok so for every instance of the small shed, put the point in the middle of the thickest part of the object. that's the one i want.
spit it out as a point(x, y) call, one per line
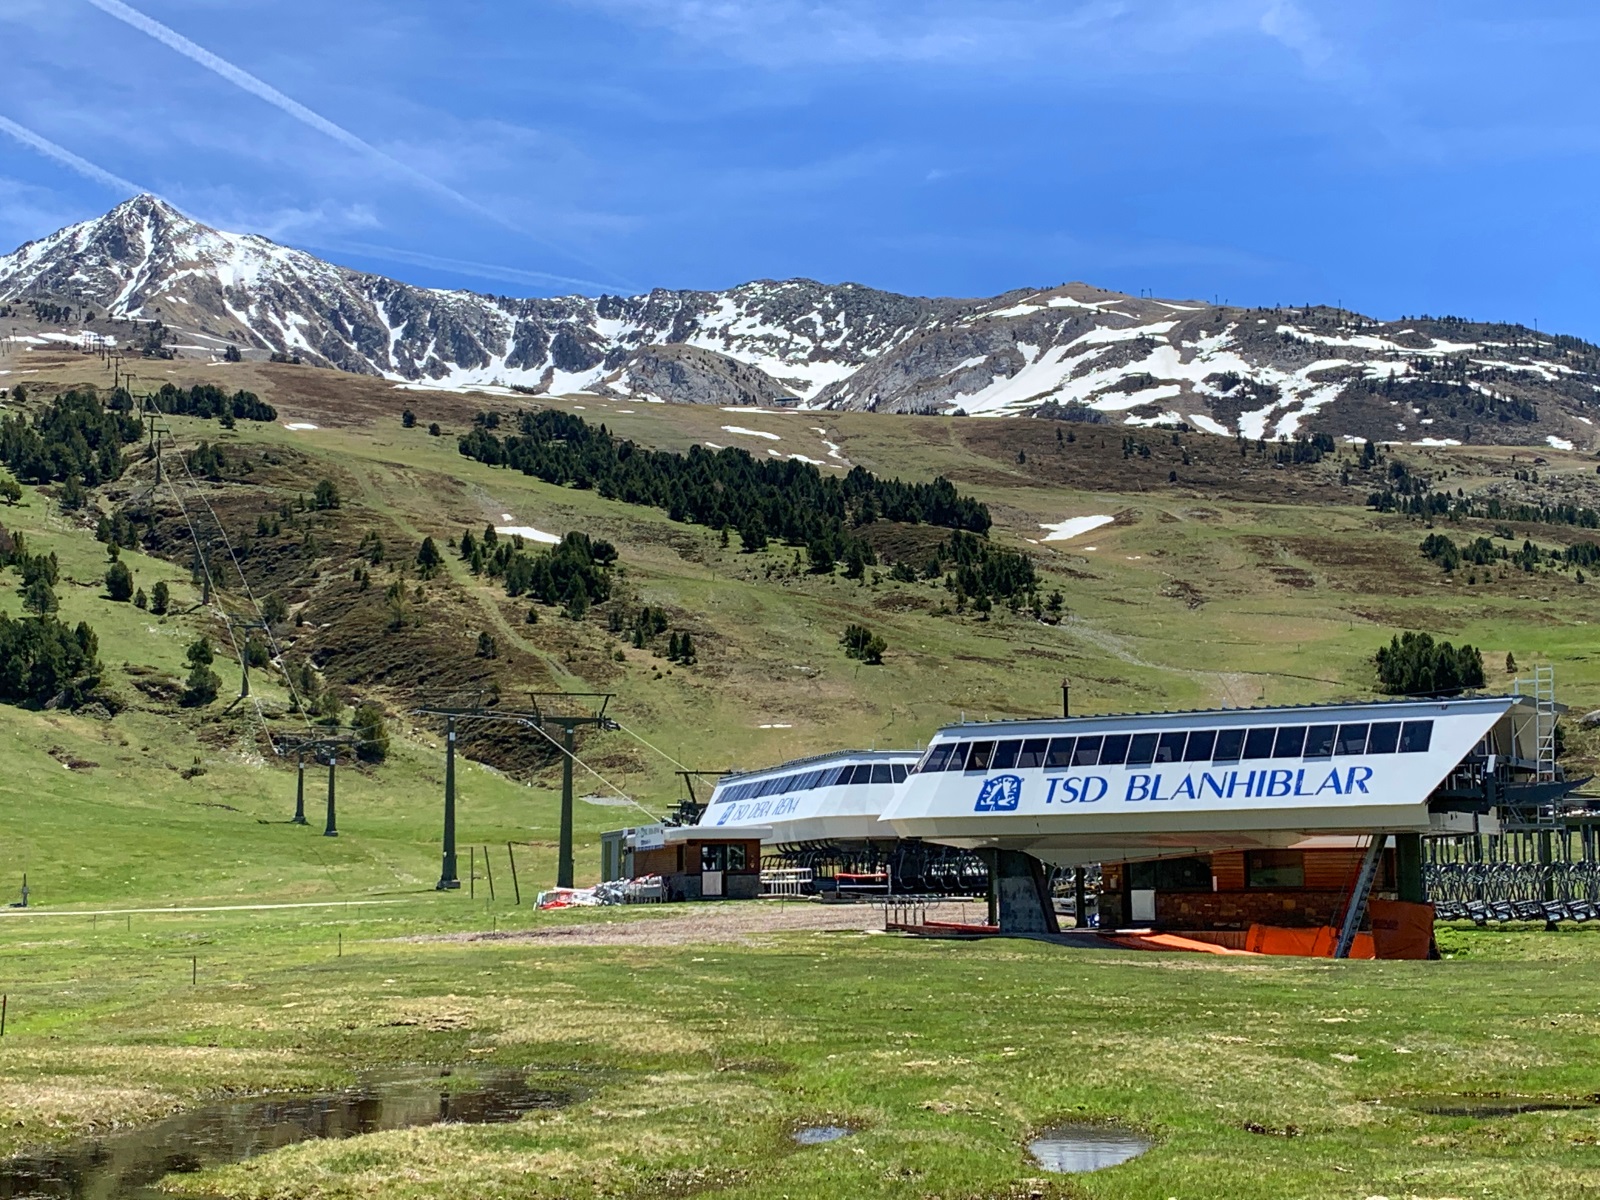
point(694, 862)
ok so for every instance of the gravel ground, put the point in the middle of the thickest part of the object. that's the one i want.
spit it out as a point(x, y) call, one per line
point(707, 924)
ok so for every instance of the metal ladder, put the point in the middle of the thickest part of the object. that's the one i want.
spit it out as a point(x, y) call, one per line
point(1360, 895)
point(1542, 690)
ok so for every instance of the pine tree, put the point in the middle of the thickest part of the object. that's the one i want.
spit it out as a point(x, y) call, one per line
point(160, 598)
point(119, 582)
point(429, 560)
point(39, 598)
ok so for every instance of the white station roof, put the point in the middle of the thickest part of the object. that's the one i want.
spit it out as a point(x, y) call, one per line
point(830, 798)
point(1096, 789)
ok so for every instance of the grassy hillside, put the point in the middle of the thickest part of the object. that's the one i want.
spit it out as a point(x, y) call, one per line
point(1243, 582)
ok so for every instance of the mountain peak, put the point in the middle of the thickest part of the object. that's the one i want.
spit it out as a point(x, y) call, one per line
point(1070, 351)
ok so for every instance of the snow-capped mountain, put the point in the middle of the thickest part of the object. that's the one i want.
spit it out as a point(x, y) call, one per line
point(1074, 351)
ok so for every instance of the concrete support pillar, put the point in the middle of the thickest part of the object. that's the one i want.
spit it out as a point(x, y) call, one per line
point(1021, 894)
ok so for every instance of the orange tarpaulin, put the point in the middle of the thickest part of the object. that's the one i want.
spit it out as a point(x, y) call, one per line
point(1400, 929)
point(1317, 942)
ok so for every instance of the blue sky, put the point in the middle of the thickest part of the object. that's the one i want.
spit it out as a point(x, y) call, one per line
point(1394, 157)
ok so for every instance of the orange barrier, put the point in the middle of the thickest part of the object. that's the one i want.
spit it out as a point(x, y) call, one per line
point(1167, 941)
point(1401, 929)
point(1317, 942)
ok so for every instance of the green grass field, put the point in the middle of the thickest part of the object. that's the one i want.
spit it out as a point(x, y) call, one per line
point(694, 1062)
point(696, 1057)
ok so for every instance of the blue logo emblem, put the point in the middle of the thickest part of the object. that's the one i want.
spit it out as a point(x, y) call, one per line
point(1001, 794)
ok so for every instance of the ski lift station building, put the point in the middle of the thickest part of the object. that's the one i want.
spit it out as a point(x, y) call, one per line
point(1189, 786)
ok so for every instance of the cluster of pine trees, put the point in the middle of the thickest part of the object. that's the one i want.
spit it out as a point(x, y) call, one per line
point(206, 400)
point(1413, 664)
point(74, 437)
point(42, 660)
point(1413, 495)
point(761, 499)
point(574, 574)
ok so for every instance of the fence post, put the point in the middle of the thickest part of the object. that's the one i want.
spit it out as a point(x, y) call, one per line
point(515, 888)
point(488, 872)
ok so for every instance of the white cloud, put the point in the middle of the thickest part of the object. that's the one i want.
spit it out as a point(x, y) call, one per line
point(1098, 36)
point(1286, 22)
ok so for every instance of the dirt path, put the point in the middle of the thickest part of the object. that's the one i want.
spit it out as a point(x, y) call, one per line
point(710, 924)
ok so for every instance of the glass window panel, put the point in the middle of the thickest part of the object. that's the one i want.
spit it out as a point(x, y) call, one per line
point(1170, 747)
point(1319, 741)
point(898, 772)
point(958, 756)
point(1033, 752)
point(1416, 737)
point(881, 773)
point(1183, 874)
point(1275, 869)
point(980, 754)
point(1199, 747)
point(1005, 755)
point(1088, 752)
point(841, 775)
point(1258, 743)
point(1352, 740)
point(1115, 749)
point(1142, 750)
point(1383, 739)
point(1060, 752)
point(862, 773)
point(1291, 742)
point(934, 760)
point(1230, 745)
point(736, 856)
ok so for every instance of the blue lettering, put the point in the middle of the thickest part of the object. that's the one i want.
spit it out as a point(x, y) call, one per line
point(1351, 783)
point(1278, 783)
point(1084, 796)
point(1138, 788)
point(1332, 781)
point(1186, 788)
point(1233, 783)
point(1050, 796)
point(1300, 783)
point(1210, 782)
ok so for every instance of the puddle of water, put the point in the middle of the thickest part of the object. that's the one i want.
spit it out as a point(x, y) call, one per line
point(817, 1135)
point(127, 1166)
point(1489, 1106)
point(1075, 1149)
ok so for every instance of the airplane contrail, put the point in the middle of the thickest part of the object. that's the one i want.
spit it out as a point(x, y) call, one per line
point(462, 266)
point(259, 88)
point(67, 158)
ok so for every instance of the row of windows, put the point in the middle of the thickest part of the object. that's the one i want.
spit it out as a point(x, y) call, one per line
point(804, 781)
point(1199, 746)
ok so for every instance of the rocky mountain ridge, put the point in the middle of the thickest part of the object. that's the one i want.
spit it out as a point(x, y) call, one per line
point(1072, 352)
